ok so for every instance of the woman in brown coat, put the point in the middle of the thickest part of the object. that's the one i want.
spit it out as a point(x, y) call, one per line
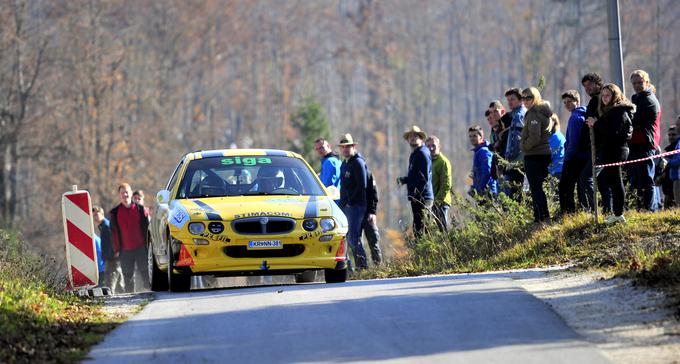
point(535, 146)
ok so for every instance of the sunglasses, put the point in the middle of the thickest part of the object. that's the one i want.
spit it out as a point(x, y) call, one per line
point(527, 97)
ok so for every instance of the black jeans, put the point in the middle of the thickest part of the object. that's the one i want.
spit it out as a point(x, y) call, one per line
point(536, 167)
point(373, 237)
point(420, 209)
point(610, 178)
point(577, 173)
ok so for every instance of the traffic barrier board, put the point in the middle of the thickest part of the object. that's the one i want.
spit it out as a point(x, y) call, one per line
point(81, 254)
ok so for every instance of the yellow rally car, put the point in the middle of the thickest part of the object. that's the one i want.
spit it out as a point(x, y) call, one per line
point(245, 212)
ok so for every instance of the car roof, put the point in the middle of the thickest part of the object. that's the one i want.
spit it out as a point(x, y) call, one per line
point(240, 152)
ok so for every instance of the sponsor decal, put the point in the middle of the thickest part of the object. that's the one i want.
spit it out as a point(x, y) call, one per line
point(311, 234)
point(178, 216)
point(246, 161)
point(215, 237)
point(258, 214)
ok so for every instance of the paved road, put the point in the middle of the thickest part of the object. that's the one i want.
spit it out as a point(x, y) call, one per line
point(445, 319)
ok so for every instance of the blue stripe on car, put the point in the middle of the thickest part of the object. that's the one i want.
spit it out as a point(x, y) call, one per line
point(211, 213)
point(213, 153)
point(311, 209)
point(279, 153)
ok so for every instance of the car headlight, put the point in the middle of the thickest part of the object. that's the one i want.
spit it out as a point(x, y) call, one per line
point(196, 228)
point(327, 224)
point(309, 225)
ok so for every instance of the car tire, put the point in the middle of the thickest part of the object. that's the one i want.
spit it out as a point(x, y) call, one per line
point(157, 278)
point(307, 276)
point(335, 275)
point(176, 282)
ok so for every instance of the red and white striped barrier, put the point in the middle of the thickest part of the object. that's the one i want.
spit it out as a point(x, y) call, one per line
point(81, 255)
point(639, 160)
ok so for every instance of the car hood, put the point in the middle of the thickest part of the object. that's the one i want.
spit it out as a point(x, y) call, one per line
point(232, 208)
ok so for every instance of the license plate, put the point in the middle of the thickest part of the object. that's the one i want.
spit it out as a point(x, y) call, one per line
point(265, 244)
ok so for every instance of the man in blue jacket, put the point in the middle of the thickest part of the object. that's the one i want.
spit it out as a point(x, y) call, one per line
point(419, 179)
point(482, 182)
point(514, 176)
point(576, 169)
point(353, 182)
point(330, 164)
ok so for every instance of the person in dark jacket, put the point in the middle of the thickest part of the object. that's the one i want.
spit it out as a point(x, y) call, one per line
point(112, 276)
point(613, 129)
point(499, 121)
point(353, 183)
point(592, 83)
point(129, 226)
point(666, 179)
point(370, 225)
point(576, 159)
point(643, 142)
point(419, 178)
point(535, 144)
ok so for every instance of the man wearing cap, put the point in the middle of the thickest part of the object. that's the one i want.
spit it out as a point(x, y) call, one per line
point(419, 178)
point(353, 183)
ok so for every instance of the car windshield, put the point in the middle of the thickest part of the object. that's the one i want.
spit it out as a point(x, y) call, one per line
point(248, 175)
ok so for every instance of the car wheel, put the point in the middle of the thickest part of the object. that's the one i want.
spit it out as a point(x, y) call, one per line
point(335, 275)
point(176, 282)
point(306, 276)
point(157, 278)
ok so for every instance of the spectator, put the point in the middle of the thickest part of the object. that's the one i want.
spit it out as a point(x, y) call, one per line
point(643, 143)
point(556, 142)
point(419, 178)
point(100, 259)
point(482, 182)
point(138, 198)
point(674, 168)
point(535, 145)
point(499, 121)
point(370, 225)
point(112, 272)
point(592, 83)
point(330, 164)
point(129, 226)
point(576, 170)
point(514, 176)
point(441, 182)
point(666, 180)
point(613, 129)
point(353, 184)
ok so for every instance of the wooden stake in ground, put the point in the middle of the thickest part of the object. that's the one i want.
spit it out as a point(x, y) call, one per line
point(592, 158)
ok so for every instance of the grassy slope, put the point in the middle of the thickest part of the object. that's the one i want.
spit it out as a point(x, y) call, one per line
point(37, 322)
point(647, 247)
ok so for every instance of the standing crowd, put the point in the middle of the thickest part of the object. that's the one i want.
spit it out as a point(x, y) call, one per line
point(526, 145)
point(121, 242)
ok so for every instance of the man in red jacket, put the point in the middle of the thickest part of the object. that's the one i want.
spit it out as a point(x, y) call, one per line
point(129, 225)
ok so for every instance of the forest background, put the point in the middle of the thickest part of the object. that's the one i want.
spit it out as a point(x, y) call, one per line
point(97, 92)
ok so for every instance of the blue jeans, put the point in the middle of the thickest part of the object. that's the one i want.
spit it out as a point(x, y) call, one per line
point(441, 212)
point(355, 218)
point(641, 177)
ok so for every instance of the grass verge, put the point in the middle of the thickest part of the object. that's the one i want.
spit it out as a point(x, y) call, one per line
point(39, 322)
point(492, 236)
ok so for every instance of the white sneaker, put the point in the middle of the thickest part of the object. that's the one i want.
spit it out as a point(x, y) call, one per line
point(615, 219)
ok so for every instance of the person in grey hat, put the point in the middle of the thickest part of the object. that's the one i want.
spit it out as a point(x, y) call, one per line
point(353, 183)
point(419, 178)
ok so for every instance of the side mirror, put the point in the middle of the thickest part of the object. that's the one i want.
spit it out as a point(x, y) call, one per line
point(333, 192)
point(163, 197)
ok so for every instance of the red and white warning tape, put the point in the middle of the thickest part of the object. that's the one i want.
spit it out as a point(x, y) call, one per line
point(639, 160)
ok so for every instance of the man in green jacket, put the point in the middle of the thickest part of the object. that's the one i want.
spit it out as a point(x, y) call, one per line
point(441, 182)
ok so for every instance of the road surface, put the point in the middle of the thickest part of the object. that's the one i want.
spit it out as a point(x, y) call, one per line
point(443, 319)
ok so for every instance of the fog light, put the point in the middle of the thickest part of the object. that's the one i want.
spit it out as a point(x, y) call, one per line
point(201, 241)
point(325, 238)
point(215, 227)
